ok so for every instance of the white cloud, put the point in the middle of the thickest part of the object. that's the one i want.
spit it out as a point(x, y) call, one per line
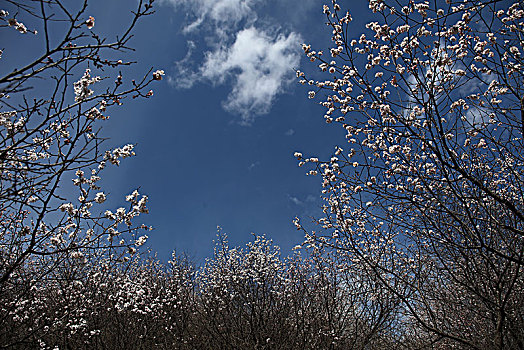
point(186, 77)
point(215, 12)
point(257, 62)
point(253, 165)
point(310, 199)
point(259, 66)
point(295, 200)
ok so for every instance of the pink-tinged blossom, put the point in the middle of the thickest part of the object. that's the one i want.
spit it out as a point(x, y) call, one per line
point(90, 22)
point(141, 240)
point(100, 197)
point(81, 87)
point(17, 25)
point(158, 74)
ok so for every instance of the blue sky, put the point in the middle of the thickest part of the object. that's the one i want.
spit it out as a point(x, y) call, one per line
point(215, 144)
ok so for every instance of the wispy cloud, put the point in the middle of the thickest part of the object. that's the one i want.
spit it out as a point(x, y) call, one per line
point(214, 12)
point(256, 60)
point(253, 165)
point(186, 77)
point(301, 202)
point(295, 200)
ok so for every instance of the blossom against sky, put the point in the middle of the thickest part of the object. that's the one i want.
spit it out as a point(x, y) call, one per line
point(214, 145)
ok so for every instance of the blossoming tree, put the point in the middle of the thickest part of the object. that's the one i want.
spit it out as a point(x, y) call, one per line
point(425, 195)
point(52, 107)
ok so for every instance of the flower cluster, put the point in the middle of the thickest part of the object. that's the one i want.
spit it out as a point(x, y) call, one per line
point(120, 152)
point(158, 74)
point(81, 87)
point(12, 22)
point(90, 22)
